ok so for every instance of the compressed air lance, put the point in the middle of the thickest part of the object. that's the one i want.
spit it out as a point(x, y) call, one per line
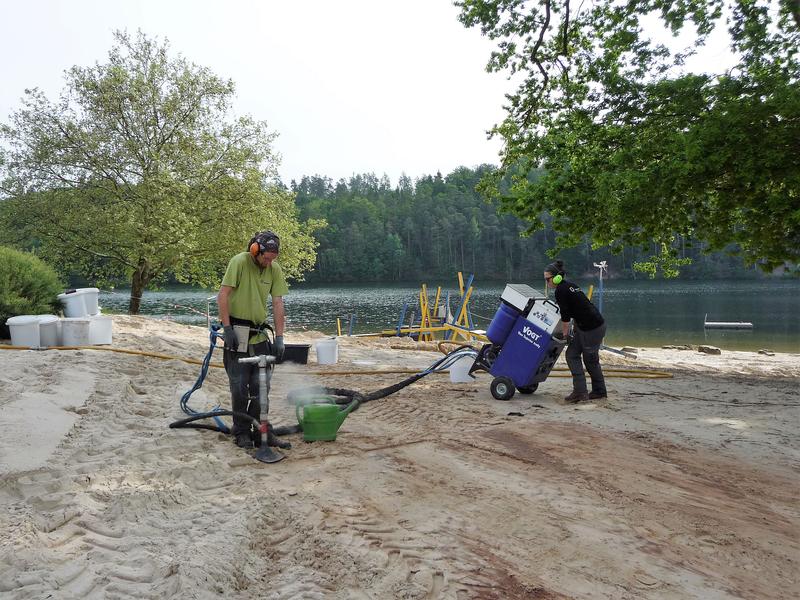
point(264, 362)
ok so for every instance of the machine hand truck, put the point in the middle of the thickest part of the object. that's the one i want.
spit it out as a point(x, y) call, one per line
point(522, 350)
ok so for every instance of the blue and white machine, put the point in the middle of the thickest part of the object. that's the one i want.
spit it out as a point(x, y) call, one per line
point(522, 350)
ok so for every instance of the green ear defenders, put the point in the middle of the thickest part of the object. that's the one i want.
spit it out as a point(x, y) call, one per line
point(557, 279)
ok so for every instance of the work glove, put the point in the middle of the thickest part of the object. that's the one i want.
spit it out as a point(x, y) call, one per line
point(559, 335)
point(278, 347)
point(229, 333)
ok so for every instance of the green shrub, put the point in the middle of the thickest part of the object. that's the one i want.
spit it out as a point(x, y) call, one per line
point(28, 286)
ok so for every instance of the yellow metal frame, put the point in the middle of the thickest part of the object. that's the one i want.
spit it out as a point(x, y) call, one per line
point(430, 324)
point(465, 333)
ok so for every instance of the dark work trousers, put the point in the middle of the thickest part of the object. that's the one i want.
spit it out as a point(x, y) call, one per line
point(243, 379)
point(586, 344)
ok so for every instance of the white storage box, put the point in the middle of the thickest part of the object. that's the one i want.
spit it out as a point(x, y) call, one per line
point(24, 330)
point(75, 331)
point(100, 330)
point(81, 302)
point(518, 295)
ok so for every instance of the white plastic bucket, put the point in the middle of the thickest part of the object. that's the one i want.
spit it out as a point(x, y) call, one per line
point(327, 352)
point(459, 370)
point(24, 330)
point(80, 303)
point(100, 330)
point(90, 300)
point(76, 331)
point(48, 330)
point(74, 304)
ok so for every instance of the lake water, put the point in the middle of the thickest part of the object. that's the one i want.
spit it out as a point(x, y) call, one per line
point(638, 313)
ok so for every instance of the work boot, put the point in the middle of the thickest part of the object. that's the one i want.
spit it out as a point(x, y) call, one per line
point(243, 440)
point(576, 397)
point(597, 395)
point(274, 440)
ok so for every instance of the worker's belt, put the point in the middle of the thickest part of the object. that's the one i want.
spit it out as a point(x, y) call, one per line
point(254, 328)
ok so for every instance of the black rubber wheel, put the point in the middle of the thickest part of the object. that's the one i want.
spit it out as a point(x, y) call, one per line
point(528, 389)
point(502, 388)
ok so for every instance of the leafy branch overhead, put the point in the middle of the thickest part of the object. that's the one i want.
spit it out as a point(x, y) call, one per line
point(611, 134)
point(138, 170)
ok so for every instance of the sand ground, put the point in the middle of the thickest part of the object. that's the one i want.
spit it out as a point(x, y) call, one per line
point(685, 487)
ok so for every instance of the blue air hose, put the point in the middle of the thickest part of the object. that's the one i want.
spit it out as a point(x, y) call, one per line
point(217, 411)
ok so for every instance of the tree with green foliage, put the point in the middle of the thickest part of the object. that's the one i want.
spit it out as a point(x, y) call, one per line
point(28, 286)
point(139, 172)
point(438, 225)
point(614, 139)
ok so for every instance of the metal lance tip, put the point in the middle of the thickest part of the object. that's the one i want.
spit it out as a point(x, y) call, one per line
point(267, 455)
point(264, 454)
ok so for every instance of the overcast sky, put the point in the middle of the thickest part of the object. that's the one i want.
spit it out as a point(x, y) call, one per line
point(352, 86)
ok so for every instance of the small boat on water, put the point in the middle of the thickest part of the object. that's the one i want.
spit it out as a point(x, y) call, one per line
point(726, 324)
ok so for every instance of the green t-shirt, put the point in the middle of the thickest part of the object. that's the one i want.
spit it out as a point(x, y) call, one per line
point(253, 286)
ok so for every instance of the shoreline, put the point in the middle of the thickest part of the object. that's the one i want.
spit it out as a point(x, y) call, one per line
point(647, 314)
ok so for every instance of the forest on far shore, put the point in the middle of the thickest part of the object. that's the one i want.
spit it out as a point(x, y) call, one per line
point(437, 225)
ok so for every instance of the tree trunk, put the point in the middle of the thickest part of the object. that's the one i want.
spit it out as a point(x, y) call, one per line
point(139, 281)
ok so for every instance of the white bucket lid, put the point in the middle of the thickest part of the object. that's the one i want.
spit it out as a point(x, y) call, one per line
point(77, 319)
point(89, 290)
point(72, 294)
point(22, 320)
point(45, 319)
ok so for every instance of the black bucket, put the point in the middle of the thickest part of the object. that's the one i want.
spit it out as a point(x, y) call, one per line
point(296, 353)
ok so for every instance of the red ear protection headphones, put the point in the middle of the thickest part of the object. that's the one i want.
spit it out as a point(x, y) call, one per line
point(261, 240)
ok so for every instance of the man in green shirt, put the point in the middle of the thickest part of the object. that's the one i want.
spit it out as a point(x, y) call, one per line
point(250, 279)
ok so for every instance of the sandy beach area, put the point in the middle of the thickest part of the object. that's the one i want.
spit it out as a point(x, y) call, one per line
point(672, 488)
